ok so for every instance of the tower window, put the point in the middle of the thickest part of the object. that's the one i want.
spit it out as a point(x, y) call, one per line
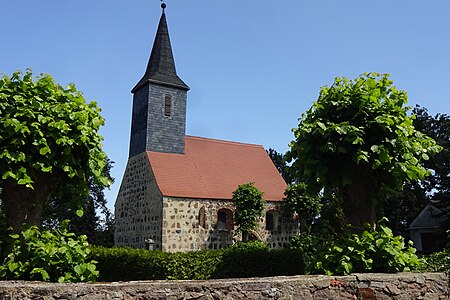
point(167, 106)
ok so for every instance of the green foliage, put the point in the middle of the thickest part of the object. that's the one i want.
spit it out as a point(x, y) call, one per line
point(248, 247)
point(306, 206)
point(121, 264)
point(404, 207)
point(300, 202)
point(437, 262)
point(49, 143)
point(249, 203)
point(279, 161)
point(331, 223)
point(49, 256)
point(46, 127)
point(242, 260)
point(255, 259)
point(96, 222)
point(304, 242)
point(369, 251)
point(358, 140)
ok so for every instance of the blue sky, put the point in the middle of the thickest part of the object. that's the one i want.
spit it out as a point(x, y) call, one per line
point(253, 66)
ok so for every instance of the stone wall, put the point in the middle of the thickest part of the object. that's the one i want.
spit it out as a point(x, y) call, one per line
point(357, 286)
point(181, 224)
point(138, 208)
point(194, 224)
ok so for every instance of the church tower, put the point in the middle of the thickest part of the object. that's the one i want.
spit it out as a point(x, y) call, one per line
point(159, 101)
point(158, 126)
point(176, 192)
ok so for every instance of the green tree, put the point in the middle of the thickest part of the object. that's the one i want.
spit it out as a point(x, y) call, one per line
point(404, 207)
point(249, 203)
point(358, 142)
point(49, 140)
point(279, 161)
point(99, 228)
point(306, 206)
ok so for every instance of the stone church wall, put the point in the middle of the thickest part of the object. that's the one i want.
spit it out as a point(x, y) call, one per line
point(196, 224)
point(138, 208)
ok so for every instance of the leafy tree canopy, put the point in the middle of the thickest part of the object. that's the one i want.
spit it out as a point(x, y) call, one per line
point(249, 203)
point(49, 138)
point(405, 206)
point(357, 140)
point(279, 160)
point(305, 205)
point(97, 222)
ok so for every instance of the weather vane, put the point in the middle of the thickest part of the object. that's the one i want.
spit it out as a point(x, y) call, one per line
point(163, 5)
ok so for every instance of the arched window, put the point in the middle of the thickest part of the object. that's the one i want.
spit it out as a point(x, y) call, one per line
point(167, 106)
point(225, 219)
point(271, 220)
point(202, 217)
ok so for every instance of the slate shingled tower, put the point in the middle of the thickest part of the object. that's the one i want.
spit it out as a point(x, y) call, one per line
point(159, 101)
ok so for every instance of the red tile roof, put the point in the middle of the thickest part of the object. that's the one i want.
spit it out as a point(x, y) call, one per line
point(212, 169)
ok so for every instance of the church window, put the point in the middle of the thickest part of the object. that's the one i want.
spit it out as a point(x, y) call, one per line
point(202, 217)
point(167, 106)
point(271, 220)
point(225, 219)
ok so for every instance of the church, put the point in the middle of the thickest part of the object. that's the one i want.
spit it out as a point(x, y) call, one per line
point(177, 189)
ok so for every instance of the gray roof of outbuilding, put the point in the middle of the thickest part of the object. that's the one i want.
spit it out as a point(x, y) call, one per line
point(161, 65)
point(430, 217)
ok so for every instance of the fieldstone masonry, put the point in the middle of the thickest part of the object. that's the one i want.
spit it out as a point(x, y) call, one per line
point(183, 229)
point(138, 207)
point(183, 224)
point(402, 286)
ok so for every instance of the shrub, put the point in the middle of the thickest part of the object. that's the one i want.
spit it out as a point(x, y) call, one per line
point(255, 259)
point(368, 251)
point(197, 265)
point(251, 259)
point(249, 203)
point(437, 262)
point(49, 256)
point(305, 244)
point(124, 264)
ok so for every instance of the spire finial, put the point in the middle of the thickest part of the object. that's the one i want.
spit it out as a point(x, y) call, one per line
point(163, 5)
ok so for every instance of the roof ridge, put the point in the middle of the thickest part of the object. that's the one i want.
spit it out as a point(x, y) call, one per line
point(223, 141)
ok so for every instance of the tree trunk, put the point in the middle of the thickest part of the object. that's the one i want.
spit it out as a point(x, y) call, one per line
point(24, 205)
point(359, 203)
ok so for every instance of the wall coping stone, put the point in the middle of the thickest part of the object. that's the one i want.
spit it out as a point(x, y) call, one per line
point(354, 286)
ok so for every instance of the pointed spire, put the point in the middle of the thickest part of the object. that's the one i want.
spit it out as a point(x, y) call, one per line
point(161, 65)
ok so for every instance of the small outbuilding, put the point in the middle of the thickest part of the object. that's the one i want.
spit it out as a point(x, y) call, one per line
point(427, 230)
